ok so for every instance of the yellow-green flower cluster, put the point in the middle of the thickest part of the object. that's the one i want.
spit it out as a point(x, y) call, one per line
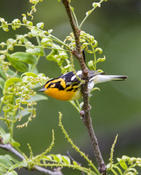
point(19, 97)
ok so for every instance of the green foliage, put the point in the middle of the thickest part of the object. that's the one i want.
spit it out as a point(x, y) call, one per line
point(94, 5)
point(125, 166)
point(112, 151)
point(6, 165)
point(89, 44)
point(6, 138)
point(19, 98)
point(76, 148)
point(18, 60)
point(19, 80)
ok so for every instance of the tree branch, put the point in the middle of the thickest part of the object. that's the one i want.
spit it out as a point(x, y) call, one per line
point(86, 107)
point(75, 29)
point(9, 147)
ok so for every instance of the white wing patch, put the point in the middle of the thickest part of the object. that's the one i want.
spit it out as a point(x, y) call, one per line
point(73, 77)
point(90, 85)
point(79, 73)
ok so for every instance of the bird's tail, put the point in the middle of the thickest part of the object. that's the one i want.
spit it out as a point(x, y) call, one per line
point(100, 78)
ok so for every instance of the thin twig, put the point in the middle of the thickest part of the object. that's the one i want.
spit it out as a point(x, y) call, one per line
point(11, 149)
point(75, 29)
point(75, 161)
point(86, 107)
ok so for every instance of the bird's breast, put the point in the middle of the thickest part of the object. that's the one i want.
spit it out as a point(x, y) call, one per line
point(62, 94)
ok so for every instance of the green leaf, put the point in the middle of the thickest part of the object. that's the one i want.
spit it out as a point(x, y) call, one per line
point(132, 170)
point(23, 57)
point(57, 158)
point(5, 136)
point(18, 60)
point(11, 73)
point(19, 66)
point(52, 55)
point(6, 163)
point(6, 160)
point(122, 164)
point(66, 160)
point(2, 73)
point(1, 83)
point(7, 139)
point(49, 157)
point(2, 132)
point(14, 143)
point(23, 163)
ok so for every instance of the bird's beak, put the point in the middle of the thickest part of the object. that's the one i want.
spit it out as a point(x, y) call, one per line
point(42, 89)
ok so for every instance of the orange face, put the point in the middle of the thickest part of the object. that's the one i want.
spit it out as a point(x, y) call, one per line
point(58, 89)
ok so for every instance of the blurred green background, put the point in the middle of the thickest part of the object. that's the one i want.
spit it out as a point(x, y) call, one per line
point(116, 109)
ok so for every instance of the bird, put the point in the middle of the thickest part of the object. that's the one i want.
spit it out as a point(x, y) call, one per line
point(67, 87)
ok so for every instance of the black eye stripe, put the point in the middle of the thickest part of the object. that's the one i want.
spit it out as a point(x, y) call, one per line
point(58, 85)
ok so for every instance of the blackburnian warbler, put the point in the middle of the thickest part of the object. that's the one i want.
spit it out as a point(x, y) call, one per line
point(68, 86)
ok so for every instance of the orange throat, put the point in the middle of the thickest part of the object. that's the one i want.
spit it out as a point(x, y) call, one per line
point(62, 94)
